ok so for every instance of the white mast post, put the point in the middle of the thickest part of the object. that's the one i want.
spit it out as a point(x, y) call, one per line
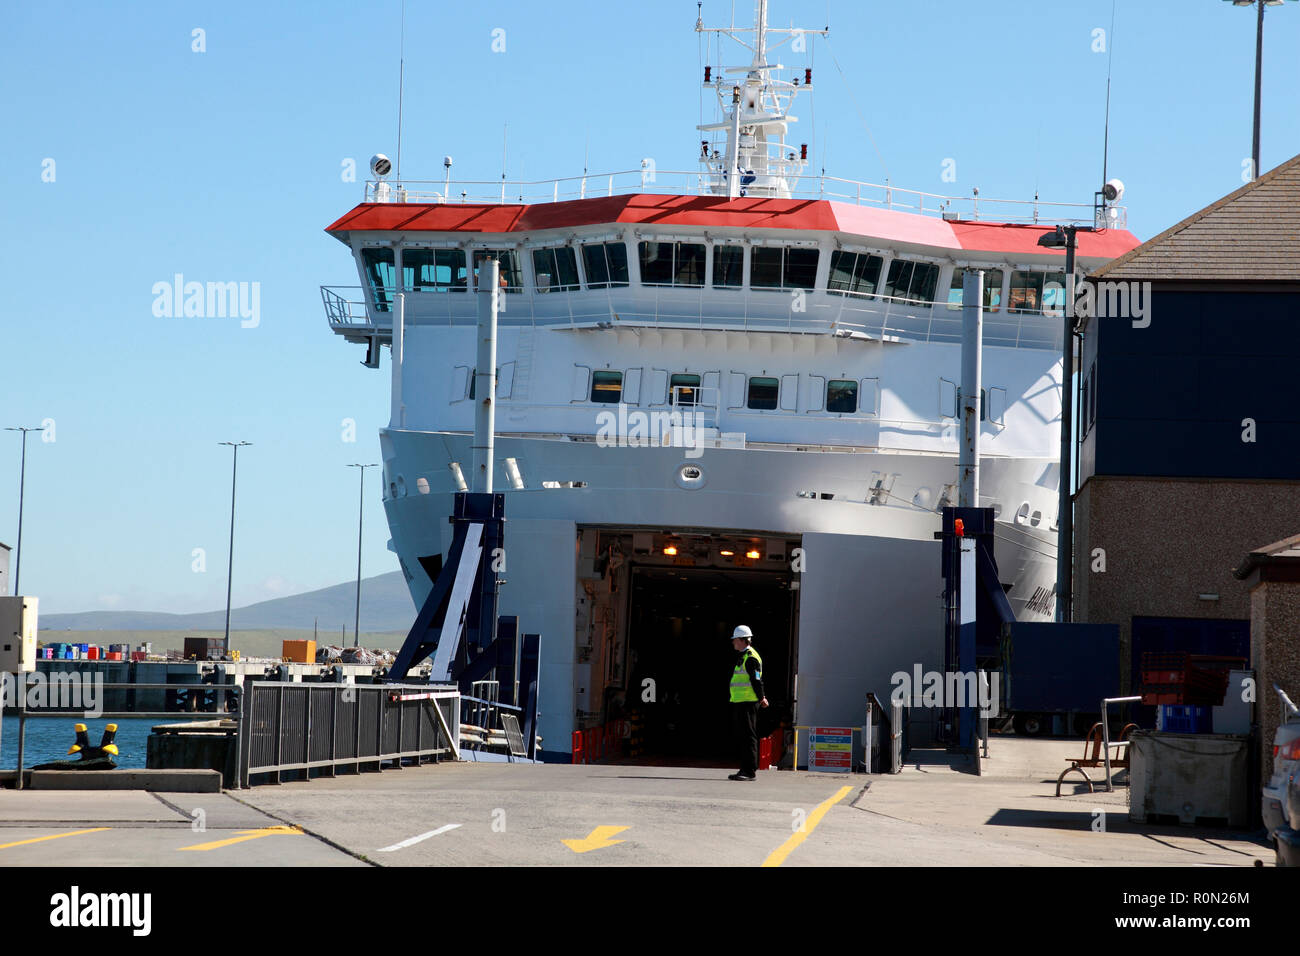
point(485, 375)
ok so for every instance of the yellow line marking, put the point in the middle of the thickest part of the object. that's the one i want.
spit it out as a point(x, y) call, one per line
point(246, 836)
point(777, 856)
point(54, 836)
point(597, 839)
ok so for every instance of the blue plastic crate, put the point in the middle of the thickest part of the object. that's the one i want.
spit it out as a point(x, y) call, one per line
point(1185, 719)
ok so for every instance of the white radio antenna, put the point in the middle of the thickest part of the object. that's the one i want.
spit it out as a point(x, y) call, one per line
point(1110, 59)
point(401, 87)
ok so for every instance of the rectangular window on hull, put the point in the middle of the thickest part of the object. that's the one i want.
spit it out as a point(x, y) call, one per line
point(763, 393)
point(672, 263)
point(912, 281)
point(606, 387)
point(992, 289)
point(381, 273)
point(510, 277)
point(684, 389)
point(854, 273)
point(728, 266)
point(433, 270)
point(842, 396)
point(606, 264)
point(781, 267)
point(555, 270)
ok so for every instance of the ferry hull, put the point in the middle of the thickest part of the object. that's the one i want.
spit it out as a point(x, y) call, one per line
point(866, 571)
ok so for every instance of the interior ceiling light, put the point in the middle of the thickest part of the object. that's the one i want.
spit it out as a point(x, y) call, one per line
point(752, 554)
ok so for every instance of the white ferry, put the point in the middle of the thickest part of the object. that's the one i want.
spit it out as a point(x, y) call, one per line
point(725, 396)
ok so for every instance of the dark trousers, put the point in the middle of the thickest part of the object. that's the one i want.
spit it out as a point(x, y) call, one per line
point(744, 726)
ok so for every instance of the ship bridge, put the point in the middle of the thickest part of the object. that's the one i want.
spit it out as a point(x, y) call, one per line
point(702, 261)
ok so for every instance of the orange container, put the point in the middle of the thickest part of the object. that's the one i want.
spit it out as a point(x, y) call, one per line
point(114, 656)
point(299, 652)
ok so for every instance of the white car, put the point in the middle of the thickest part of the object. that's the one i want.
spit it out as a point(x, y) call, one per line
point(1286, 762)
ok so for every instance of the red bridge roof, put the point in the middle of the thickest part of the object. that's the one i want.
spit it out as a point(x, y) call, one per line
point(884, 225)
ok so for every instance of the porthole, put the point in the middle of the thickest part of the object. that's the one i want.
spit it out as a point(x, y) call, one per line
point(1022, 513)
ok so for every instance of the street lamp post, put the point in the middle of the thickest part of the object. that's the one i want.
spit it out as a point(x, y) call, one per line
point(356, 630)
point(230, 565)
point(22, 484)
point(1065, 237)
point(1259, 72)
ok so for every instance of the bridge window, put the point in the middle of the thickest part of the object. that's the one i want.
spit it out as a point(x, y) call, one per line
point(842, 395)
point(1035, 291)
point(728, 266)
point(684, 389)
point(556, 270)
point(606, 264)
point(854, 273)
point(433, 270)
point(511, 277)
point(912, 281)
point(763, 392)
point(782, 267)
point(672, 263)
point(381, 273)
point(606, 387)
point(992, 289)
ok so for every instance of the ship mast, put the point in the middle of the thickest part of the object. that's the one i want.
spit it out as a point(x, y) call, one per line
point(756, 161)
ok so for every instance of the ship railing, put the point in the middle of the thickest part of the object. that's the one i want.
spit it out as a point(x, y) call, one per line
point(346, 313)
point(890, 318)
point(648, 179)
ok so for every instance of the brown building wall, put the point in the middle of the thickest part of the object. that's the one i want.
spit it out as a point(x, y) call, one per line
point(1275, 650)
point(1168, 540)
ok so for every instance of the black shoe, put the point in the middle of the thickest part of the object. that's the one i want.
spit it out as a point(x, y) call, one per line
point(742, 776)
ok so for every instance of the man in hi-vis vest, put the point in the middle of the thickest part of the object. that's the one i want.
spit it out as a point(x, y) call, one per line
point(746, 698)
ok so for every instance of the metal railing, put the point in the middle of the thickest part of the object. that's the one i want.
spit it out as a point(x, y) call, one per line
point(697, 183)
point(876, 316)
point(298, 727)
point(85, 700)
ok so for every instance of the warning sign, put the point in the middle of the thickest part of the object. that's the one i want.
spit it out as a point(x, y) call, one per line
point(830, 749)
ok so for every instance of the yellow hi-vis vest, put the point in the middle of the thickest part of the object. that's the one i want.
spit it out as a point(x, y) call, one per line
point(742, 690)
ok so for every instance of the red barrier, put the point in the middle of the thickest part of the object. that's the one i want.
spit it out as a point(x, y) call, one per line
point(577, 747)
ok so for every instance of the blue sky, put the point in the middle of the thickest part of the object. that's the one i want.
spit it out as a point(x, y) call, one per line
point(226, 165)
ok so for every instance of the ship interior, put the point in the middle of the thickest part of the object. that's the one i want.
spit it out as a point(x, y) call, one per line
point(654, 655)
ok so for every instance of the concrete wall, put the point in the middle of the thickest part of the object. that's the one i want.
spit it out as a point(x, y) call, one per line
point(1167, 541)
point(1275, 651)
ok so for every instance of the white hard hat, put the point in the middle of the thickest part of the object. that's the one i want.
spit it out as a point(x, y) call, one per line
point(742, 632)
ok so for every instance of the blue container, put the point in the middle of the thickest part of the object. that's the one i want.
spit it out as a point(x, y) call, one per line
point(1185, 719)
point(67, 653)
point(84, 648)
